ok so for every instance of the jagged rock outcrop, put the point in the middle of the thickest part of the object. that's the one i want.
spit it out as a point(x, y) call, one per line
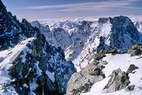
point(82, 81)
point(132, 68)
point(124, 33)
point(130, 88)
point(44, 66)
point(122, 76)
point(29, 65)
point(119, 80)
point(11, 30)
point(42, 28)
point(135, 50)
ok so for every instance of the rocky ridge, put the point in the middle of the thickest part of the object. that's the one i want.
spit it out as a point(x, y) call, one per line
point(29, 65)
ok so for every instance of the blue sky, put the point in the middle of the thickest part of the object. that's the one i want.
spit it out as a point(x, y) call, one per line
point(50, 9)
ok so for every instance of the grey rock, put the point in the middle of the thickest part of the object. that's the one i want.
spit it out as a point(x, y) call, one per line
point(130, 88)
point(99, 56)
point(118, 81)
point(82, 81)
point(136, 50)
point(131, 68)
point(44, 65)
point(1, 59)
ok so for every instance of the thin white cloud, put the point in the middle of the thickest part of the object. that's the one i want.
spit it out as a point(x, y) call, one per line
point(117, 3)
point(97, 9)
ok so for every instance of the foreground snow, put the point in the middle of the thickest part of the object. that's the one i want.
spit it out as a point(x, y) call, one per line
point(121, 61)
point(7, 57)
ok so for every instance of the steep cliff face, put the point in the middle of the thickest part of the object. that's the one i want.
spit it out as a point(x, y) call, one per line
point(42, 68)
point(11, 30)
point(124, 33)
point(28, 64)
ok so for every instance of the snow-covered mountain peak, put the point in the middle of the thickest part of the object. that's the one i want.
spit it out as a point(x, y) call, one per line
point(82, 38)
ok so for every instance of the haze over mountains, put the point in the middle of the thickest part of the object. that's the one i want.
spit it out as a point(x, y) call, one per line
point(86, 57)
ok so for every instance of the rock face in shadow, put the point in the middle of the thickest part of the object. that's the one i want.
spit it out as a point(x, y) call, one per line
point(124, 33)
point(82, 81)
point(11, 30)
point(43, 66)
point(118, 81)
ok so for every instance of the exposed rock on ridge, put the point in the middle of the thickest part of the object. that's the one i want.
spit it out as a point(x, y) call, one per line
point(30, 67)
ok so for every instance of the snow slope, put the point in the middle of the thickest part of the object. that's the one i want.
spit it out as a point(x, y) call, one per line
point(138, 24)
point(121, 61)
point(8, 57)
point(21, 64)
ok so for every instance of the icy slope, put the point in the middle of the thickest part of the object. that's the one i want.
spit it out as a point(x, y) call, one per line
point(24, 68)
point(7, 58)
point(138, 24)
point(122, 61)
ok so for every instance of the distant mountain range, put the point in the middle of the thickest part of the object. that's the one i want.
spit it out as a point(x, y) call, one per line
point(80, 40)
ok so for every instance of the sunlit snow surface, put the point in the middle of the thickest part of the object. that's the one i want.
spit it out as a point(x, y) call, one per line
point(7, 57)
point(121, 61)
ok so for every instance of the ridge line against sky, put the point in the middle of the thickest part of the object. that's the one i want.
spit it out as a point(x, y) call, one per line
point(50, 9)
